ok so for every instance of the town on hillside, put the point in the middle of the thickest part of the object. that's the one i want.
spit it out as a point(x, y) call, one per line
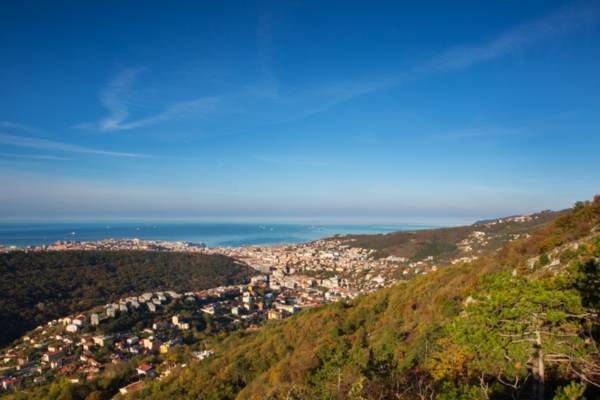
point(144, 329)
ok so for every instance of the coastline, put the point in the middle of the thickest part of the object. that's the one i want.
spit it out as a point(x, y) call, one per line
point(22, 235)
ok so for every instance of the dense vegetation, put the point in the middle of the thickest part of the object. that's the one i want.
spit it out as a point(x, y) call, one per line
point(37, 287)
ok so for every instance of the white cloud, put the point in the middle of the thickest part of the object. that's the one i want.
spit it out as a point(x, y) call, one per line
point(115, 99)
point(517, 38)
point(35, 156)
point(43, 144)
point(19, 127)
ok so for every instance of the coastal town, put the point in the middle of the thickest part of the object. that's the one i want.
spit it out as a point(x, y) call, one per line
point(146, 327)
point(144, 330)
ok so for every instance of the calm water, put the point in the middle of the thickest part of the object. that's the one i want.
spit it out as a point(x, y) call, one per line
point(212, 234)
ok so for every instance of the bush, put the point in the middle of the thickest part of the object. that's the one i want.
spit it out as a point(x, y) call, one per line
point(573, 391)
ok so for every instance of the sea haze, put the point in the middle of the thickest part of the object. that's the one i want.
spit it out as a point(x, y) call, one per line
point(211, 234)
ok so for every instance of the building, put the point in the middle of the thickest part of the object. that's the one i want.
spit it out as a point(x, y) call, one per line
point(131, 388)
point(212, 309)
point(275, 314)
point(100, 340)
point(145, 369)
point(151, 344)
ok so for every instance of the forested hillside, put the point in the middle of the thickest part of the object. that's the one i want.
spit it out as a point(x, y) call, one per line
point(37, 287)
point(519, 324)
point(446, 244)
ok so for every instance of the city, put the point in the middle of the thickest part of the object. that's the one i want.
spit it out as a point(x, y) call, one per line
point(288, 278)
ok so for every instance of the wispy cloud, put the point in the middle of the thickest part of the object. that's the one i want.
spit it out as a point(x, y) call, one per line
point(518, 38)
point(43, 157)
point(116, 99)
point(271, 101)
point(43, 144)
point(19, 127)
point(458, 57)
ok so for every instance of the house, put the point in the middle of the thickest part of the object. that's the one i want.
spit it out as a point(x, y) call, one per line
point(11, 383)
point(94, 363)
point(132, 340)
point(145, 369)
point(330, 283)
point(52, 356)
point(145, 297)
point(100, 340)
point(57, 363)
point(201, 355)
point(22, 360)
point(131, 388)
point(159, 325)
point(164, 348)
point(151, 344)
point(274, 314)
point(289, 308)
point(184, 326)
point(259, 280)
point(72, 328)
point(95, 319)
point(115, 358)
point(247, 298)
point(212, 309)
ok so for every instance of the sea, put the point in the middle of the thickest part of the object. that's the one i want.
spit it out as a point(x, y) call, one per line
point(221, 234)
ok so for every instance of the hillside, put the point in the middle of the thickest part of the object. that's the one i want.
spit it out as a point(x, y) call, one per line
point(447, 244)
point(38, 287)
point(519, 323)
point(457, 333)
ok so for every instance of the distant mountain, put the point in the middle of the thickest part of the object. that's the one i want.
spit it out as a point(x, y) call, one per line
point(447, 244)
point(544, 213)
point(40, 286)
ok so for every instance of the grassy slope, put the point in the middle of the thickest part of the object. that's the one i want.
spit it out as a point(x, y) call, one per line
point(384, 336)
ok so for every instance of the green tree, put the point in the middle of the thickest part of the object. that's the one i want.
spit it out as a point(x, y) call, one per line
point(597, 246)
point(584, 276)
point(573, 391)
point(518, 327)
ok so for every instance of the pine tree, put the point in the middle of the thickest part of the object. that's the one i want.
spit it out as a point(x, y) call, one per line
point(517, 328)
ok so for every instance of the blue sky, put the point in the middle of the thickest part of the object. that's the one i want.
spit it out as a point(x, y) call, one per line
point(322, 111)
